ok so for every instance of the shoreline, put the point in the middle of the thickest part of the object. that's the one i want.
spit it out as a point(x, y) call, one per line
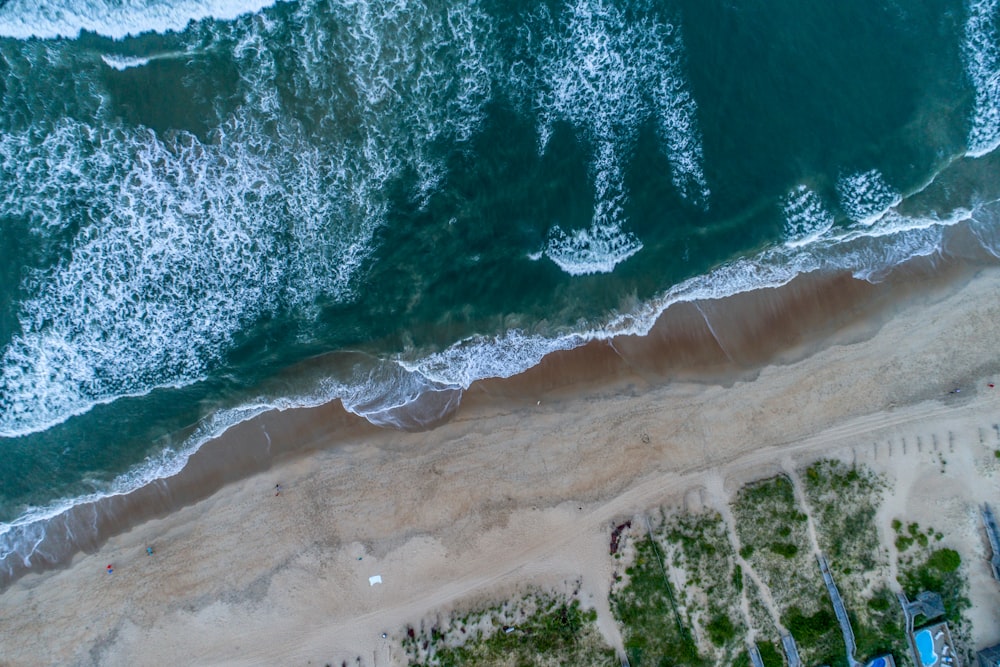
point(580, 438)
point(718, 342)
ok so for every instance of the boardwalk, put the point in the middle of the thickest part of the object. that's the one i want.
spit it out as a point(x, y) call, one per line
point(990, 522)
point(840, 611)
point(791, 650)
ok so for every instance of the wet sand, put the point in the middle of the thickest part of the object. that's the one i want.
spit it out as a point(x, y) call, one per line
point(522, 484)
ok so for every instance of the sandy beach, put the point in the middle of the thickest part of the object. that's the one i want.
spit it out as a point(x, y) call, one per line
point(523, 484)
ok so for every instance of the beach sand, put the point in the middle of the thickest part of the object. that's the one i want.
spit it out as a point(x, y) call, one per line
point(523, 484)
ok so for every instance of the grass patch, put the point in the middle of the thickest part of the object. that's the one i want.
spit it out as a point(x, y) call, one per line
point(844, 500)
point(772, 529)
point(937, 570)
point(679, 599)
point(721, 630)
point(646, 606)
point(770, 655)
point(554, 632)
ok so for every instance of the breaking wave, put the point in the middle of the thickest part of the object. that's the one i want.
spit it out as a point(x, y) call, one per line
point(607, 71)
point(981, 52)
point(866, 196)
point(175, 243)
point(806, 218)
point(48, 19)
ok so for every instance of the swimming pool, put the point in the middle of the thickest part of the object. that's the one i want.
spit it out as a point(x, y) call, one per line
point(925, 646)
point(877, 662)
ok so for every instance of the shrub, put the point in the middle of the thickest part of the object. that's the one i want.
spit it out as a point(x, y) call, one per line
point(785, 549)
point(720, 629)
point(807, 629)
point(878, 604)
point(945, 560)
point(770, 656)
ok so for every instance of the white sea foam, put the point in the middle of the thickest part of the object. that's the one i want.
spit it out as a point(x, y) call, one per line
point(184, 242)
point(806, 218)
point(156, 285)
point(981, 52)
point(867, 252)
point(677, 116)
point(47, 19)
point(388, 386)
point(595, 250)
point(866, 196)
point(383, 391)
point(181, 243)
point(604, 245)
point(122, 63)
point(607, 72)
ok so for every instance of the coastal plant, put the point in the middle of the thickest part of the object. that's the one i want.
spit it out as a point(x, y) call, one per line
point(701, 621)
point(937, 570)
point(645, 603)
point(765, 628)
point(705, 568)
point(878, 626)
point(773, 533)
point(925, 566)
point(843, 500)
point(539, 629)
point(770, 654)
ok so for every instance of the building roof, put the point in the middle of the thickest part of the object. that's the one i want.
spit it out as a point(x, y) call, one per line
point(989, 657)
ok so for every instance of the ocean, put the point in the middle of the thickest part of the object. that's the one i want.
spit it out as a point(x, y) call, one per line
point(214, 208)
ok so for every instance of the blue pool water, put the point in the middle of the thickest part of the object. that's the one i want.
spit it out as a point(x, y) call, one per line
point(925, 646)
point(877, 662)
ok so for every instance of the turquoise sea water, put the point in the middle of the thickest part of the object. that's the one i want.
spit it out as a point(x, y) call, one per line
point(211, 208)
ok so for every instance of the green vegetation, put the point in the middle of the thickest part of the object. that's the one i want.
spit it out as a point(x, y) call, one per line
point(937, 570)
point(808, 629)
point(878, 626)
point(944, 560)
point(773, 531)
point(785, 549)
point(922, 567)
point(844, 500)
point(679, 601)
point(652, 625)
point(721, 630)
point(679, 594)
point(770, 655)
point(556, 633)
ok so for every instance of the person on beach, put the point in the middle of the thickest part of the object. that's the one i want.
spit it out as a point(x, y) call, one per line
point(277, 489)
point(149, 550)
point(110, 569)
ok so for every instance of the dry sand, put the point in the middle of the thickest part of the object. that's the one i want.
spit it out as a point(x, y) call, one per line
point(511, 493)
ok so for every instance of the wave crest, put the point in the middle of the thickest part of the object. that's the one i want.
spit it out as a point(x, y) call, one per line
point(117, 19)
point(981, 51)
